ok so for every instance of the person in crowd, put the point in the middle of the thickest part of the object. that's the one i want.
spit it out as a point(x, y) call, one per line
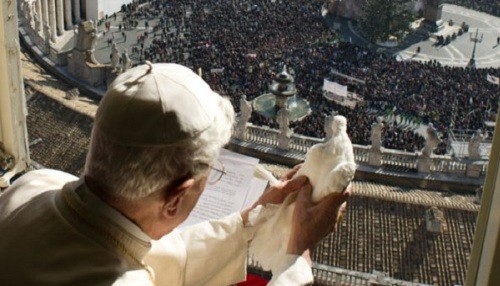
point(253, 47)
point(154, 148)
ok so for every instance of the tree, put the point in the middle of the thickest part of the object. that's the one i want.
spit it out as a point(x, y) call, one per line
point(382, 18)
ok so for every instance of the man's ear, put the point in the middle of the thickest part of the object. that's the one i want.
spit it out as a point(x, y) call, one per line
point(174, 196)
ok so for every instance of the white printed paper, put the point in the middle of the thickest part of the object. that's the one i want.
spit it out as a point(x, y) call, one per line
point(237, 189)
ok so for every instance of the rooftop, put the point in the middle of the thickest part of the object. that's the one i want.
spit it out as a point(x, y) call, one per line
point(384, 228)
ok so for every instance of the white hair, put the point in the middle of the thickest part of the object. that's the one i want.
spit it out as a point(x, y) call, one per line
point(136, 172)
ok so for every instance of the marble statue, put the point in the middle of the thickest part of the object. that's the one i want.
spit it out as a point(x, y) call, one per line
point(479, 195)
point(431, 142)
point(86, 38)
point(47, 37)
point(283, 119)
point(36, 19)
point(330, 167)
point(376, 134)
point(115, 56)
point(245, 113)
point(475, 143)
point(28, 13)
point(126, 61)
point(91, 52)
point(46, 32)
point(246, 109)
point(82, 62)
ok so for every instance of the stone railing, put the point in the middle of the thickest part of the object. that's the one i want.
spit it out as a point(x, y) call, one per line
point(302, 143)
point(399, 158)
point(262, 135)
point(365, 155)
point(361, 154)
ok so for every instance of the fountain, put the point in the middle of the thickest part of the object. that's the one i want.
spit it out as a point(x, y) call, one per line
point(282, 94)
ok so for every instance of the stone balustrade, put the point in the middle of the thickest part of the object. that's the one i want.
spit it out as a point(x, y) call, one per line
point(302, 143)
point(262, 135)
point(400, 159)
point(365, 155)
point(361, 154)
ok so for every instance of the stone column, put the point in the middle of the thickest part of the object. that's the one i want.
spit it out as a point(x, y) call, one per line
point(38, 7)
point(60, 17)
point(45, 12)
point(76, 10)
point(52, 20)
point(67, 14)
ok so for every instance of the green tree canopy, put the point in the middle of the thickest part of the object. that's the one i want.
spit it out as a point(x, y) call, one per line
point(383, 18)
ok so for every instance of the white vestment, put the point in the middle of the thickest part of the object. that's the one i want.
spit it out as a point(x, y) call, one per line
point(53, 231)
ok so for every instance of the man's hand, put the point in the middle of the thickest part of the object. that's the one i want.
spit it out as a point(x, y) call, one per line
point(312, 222)
point(291, 173)
point(276, 194)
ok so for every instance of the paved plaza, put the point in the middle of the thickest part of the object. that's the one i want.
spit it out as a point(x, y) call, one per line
point(103, 49)
point(457, 53)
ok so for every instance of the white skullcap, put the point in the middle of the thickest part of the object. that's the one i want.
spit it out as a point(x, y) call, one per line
point(155, 105)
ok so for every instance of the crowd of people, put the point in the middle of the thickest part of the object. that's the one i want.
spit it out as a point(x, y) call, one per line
point(239, 47)
point(488, 6)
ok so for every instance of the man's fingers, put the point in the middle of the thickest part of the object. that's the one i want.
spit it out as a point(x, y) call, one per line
point(295, 184)
point(330, 206)
point(348, 188)
point(334, 200)
point(291, 173)
point(342, 211)
point(343, 208)
point(304, 196)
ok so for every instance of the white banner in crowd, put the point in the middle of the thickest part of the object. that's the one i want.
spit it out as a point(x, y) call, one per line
point(335, 88)
point(492, 79)
point(218, 70)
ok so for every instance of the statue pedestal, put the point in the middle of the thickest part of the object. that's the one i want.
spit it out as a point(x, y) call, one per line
point(433, 26)
point(46, 48)
point(432, 16)
point(240, 130)
point(424, 164)
point(284, 140)
point(375, 157)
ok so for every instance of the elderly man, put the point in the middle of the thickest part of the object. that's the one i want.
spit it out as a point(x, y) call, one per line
point(157, 134)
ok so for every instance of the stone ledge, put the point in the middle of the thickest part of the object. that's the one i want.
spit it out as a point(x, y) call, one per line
point(59, 72)
point(403, 178)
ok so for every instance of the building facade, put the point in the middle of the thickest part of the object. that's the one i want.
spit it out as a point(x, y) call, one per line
point(98, 9)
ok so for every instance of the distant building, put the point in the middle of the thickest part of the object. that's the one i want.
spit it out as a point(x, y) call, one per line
point(98, 9)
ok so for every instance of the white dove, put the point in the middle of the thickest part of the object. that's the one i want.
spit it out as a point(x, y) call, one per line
point(330, 167)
